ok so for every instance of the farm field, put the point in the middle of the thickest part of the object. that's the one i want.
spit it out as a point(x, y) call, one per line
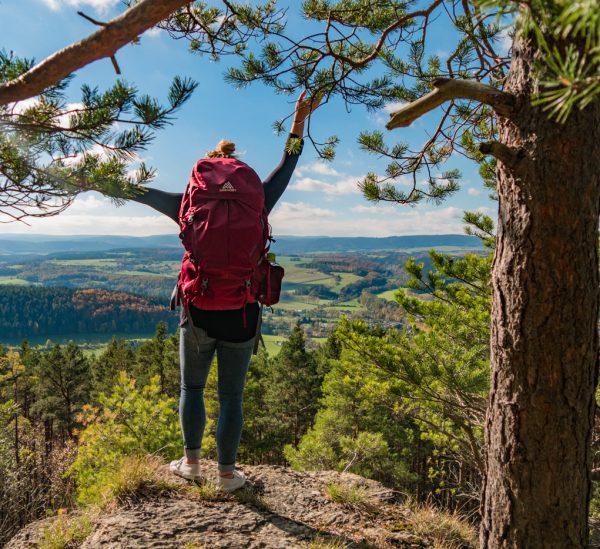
point(12, 280)
point(318, 288)
point(388, 294)
point(273, 343)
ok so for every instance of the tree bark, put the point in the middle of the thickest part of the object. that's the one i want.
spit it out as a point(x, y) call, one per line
point(544, 344)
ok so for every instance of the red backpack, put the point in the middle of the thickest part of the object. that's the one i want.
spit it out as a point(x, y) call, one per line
point(226, 236)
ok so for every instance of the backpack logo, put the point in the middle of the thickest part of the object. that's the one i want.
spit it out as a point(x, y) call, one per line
point(228, 188)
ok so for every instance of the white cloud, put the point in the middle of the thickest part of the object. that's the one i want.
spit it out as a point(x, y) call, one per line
point(364, 209)
point(346, 185)
point(394, 106)
point(94, 214)
point(87, 203)
point(20, 106)
point(304, 220)
point(505, 40)
point(84, 224)
point(99, 6)
point(382, 117)
point(472, 191)
point(153, 32)
point(320, 168)
point(298, 211)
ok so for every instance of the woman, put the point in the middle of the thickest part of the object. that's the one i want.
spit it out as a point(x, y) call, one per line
point(229, 333)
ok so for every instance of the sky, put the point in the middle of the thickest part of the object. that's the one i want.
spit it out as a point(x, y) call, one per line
point(322, 198)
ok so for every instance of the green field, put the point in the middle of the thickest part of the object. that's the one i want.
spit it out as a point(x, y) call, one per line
point(85, 262)
point(388, 294)
point(295, 274)
point(273, 343)
point(138, 273)
point(12, 280)
point(345, 279)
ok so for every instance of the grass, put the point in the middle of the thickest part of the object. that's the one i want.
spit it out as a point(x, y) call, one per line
point(388, 294)
point(133, 479)
point(320, 542)
point(349, 495)
point(193, 545)
point(351, 305)
point(90, 342)
point(207, 491)
point(273, 343)
point(248, 496)
point(295, 305)
point(346, 278)
point(446, 530)
point(12, 281)
point(66, 532)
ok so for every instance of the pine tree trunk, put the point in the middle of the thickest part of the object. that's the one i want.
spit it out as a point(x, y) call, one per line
point(544, 327)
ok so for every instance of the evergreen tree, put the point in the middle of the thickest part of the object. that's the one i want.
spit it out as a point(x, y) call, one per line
point(130, 421)
point(12, 370)
point(30, 357)
point(64, 384)
point(118, 357)
point(293, 387)
point(359, 427)
point(159, 356)
point(260, 438)
point(411, 405)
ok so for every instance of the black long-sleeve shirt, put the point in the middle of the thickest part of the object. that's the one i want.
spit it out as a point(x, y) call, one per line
point(240, 324)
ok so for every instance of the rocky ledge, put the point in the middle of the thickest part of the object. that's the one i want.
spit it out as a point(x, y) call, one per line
point(278, 508)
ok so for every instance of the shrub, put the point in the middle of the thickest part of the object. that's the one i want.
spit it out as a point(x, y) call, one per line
point(129, 422)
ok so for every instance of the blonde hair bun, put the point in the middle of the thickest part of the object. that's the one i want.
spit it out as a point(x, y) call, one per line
point(224, 148)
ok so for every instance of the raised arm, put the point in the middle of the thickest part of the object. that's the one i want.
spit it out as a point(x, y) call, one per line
point(277, 182)
point(165, 203)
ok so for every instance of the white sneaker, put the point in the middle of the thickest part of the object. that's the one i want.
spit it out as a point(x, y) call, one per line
point(189, 471)
point(231, 484)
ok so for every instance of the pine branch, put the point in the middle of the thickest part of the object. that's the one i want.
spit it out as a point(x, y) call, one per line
point(446, 90)
point(507, 155)
point(103, 43)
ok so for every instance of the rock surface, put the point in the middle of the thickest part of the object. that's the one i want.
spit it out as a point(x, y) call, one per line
point(278, 508)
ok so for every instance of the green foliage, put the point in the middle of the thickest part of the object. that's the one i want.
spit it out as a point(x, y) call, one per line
point(80, 311)
point(226, 30)
point(130, 479)
point(159, 356)
point(293, 387)
point(392, 400)
point(348, 494)
point(117, 357)
point(567, 35)
point(66, 531)
point(128, 422)
point(378, 54)
point(63, 386)
point(356, 428)
point(447, 530)
point(50, 150)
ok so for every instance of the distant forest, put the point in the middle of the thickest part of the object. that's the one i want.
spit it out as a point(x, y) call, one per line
point(34, 310)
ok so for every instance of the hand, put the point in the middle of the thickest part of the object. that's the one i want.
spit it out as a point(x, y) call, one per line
point(304, 108)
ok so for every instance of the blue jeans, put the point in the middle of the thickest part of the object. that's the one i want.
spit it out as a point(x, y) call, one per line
point(196, 352)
